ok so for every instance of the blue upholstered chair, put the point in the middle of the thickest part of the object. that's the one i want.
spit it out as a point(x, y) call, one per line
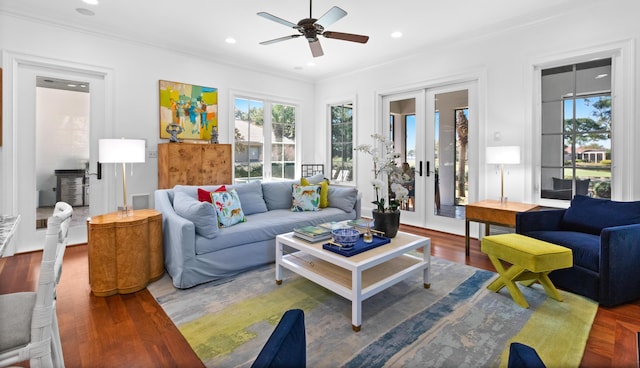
point(523, 356)
point(287, 345)
point(604, 237)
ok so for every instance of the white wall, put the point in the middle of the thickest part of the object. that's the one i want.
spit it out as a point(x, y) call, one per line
point(137, 68)
point(505, 60)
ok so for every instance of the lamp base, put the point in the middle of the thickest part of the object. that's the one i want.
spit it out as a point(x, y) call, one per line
point(125, 211)
point(503, 200)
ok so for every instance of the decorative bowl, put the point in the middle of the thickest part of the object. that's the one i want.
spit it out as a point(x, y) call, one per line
point(346, 237)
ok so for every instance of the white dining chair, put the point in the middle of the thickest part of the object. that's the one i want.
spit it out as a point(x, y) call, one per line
point(28, 322)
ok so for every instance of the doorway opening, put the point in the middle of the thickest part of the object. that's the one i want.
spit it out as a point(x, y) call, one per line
point(62, 132)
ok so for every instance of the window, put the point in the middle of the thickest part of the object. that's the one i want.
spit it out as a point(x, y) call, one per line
point(265, 137)
point(342, 142)
point(576, 130)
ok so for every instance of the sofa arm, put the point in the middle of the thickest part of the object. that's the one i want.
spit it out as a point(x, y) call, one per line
point(178, 235)
point(619, 260)
point(538, 220)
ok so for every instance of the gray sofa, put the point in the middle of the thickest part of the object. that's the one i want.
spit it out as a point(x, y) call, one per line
point(196, 250)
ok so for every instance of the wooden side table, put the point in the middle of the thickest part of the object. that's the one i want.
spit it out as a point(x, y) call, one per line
point(491, 212)
point(125, 253)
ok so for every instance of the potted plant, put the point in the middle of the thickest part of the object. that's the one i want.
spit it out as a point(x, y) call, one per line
point(387, 184)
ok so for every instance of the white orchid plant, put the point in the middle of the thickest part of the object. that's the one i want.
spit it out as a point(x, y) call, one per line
point(386, 173)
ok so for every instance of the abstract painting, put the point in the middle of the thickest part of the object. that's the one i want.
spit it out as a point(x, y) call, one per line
point(193, 108)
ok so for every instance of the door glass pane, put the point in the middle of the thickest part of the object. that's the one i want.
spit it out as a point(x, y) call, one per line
point(402, 130)
point(409, 163)
point(451, 162)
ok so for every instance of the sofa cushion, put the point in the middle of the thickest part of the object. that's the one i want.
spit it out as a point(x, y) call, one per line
point(585, 247)
point(202, 214)
point(343, 198)
point(228, 207)
point(251, 198)
point(277, 194)
point(591, 215)
point(305, 198)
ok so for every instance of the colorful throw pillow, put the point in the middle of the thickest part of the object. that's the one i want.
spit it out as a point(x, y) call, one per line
point(205, 195)
point(305, 198)
point(228, 208)
point(324, 190)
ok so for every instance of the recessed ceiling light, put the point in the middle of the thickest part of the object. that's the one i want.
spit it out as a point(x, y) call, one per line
point(230, 40)
point(396, 34)
point(311, 63)
point(91, 2)
point(84, 11)
point(601, 75)
point(72, 85)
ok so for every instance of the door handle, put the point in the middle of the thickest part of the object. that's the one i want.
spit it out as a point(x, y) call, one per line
point(428, 169)
point(420, 169)
point(98, 174)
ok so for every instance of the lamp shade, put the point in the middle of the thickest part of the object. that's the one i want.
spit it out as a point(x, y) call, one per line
point(503, 155)
point(121, 150)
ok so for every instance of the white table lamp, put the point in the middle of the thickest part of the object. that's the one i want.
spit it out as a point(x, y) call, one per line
point(503, 155)
point(122, 151)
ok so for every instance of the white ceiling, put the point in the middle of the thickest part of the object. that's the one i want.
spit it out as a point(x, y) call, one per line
point(199, 27)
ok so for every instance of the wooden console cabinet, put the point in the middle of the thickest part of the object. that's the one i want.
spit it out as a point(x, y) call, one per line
point(125, 253)
point(193, 164)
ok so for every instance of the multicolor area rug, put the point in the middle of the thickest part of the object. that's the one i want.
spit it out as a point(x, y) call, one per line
point(455, 323)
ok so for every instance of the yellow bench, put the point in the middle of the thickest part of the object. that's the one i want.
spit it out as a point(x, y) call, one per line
point(531, 260)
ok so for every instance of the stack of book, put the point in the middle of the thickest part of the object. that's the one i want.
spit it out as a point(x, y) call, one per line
point(312, 233)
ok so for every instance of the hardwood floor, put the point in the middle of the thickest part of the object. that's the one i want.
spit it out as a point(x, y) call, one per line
point(132, 330)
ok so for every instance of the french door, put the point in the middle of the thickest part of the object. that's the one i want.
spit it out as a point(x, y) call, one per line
point(433, 130)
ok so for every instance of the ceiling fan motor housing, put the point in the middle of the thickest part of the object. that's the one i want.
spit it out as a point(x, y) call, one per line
point(310, 29)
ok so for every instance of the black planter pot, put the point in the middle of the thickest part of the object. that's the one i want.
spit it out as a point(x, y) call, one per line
point(388, 222)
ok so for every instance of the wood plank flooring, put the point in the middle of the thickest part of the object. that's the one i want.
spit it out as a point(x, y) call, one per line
point(132, 330)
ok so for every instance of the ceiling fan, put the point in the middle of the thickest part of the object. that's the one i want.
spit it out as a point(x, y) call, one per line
point(311, 27)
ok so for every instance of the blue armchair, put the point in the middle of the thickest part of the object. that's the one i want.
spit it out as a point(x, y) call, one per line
point(287, 346)
point(604, 237)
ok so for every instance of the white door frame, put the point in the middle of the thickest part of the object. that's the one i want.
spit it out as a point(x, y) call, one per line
point(474, 81)
point(18, 153)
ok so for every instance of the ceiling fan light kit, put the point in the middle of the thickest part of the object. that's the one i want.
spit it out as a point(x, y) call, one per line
point(311, 28)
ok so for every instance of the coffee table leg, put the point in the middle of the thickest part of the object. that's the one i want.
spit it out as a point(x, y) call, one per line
point(426, 256)
point(278, 259)
point(356, 300)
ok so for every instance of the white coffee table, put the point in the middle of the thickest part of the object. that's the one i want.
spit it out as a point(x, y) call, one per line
point(358, 277)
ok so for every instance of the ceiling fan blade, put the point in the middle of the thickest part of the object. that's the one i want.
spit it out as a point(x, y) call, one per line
point(346, 36)
point(277, 19)
point(331, 16)
point(280, 39)
point(316, 48)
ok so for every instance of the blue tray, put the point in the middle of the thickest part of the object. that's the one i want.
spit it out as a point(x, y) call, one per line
point(360, 246)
